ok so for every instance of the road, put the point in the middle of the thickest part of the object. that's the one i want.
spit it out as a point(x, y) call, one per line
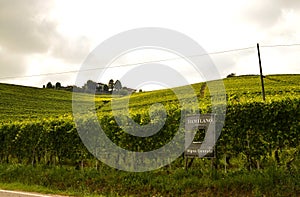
point(8, 193)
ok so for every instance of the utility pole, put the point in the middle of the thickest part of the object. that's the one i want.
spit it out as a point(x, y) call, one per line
point(261, 75)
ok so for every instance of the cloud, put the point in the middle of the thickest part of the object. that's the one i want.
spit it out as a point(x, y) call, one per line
point(290, 4)
point(27, 29)
point(11, 64)
point(24, 29)
point(266, 14)
point(71, 50)
point(55, 36)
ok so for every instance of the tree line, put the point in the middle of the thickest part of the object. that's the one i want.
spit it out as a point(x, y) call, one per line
point(94, 87)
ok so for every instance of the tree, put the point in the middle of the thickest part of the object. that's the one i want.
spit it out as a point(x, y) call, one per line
point(118, 85)
point(99, 88)
point(231, 75)
point(105, 88)
point(90, 86)
point(49, 85)
point(111, 85)
point(57, 85)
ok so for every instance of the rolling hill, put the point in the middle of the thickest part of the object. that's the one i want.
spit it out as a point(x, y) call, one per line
point(20, 102)
point(259, 138)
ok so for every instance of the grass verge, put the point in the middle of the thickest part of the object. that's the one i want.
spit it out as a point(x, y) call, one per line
point(164, 182)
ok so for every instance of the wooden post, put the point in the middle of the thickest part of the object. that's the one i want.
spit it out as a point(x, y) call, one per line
point(261, 74)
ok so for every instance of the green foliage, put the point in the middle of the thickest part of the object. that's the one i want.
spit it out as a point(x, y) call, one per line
point(268, 182)
point(253, 128)
point(37, 128)
point(48, 142)
point(258, 129)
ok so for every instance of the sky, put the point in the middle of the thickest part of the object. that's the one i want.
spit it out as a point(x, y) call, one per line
point(38, 38)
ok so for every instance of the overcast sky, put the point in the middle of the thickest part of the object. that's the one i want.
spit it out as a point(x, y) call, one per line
point(39, 37)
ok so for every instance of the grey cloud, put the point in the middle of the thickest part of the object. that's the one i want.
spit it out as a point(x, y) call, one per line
point(290, 4)
point(263, 13)
point(267, 13)
point(25, 30)
point(71, 50)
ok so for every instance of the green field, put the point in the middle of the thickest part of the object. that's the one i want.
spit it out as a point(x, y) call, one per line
point(27, 103)
point(258, 152)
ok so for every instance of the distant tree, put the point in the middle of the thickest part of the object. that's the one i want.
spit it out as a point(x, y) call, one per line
point(231, 75)
point(57, 85)
point(44, 86)
point(105, 88)
point(117, 86)
point(140, 90)
point(111, 85)
point(99, 88)
point(90, 86)
point(49, 85)
point(76, 89)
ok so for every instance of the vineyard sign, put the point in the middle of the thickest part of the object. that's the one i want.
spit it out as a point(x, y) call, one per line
point(206, 147)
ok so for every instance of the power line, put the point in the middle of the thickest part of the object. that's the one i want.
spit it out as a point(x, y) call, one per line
point(39, 75)
point(280, 45)
point(124, 65)
point(146, 62)
point(231, 50)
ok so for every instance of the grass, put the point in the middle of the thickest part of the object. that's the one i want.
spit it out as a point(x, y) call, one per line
point(272, 181)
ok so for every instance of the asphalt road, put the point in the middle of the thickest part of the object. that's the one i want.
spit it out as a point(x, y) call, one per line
point(8, 193)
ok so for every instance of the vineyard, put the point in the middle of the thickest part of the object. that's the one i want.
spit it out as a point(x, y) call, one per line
point(19, 103)
point(37, 126)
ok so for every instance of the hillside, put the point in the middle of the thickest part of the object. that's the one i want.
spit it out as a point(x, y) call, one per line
point(239, 89)
point(19, 102)
point(258, 151)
